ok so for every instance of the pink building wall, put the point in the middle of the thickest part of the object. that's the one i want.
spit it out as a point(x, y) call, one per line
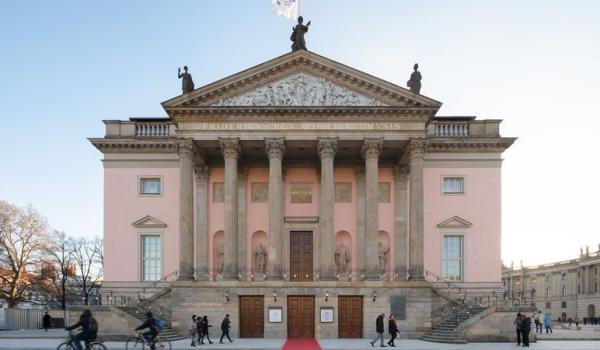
point(480, 205)
point(387, 214)
point(344, 215)
point(216, 215)
point(123, 206)
point(257, 216)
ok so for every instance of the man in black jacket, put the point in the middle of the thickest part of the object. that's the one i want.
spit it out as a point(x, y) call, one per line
point(152, 332)
point(87, 333)
point(225, 325)
point(379, 329)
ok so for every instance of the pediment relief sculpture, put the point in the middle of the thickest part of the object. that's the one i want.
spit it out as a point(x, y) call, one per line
point(300, 89)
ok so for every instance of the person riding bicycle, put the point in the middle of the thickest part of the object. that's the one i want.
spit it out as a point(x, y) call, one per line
point(152, 332)
point(89, 329)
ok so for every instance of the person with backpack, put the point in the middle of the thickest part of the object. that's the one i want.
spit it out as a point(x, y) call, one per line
point(89, 329)
point(225, 326)
point(154, 327)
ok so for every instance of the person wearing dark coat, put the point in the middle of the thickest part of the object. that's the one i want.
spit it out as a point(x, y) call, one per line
point(203, 330)
point(225, 326)
point(518, 323)
point(392, 329)
point(525, 329)
point(152, 332)
point(379, 329)
point(46, 321)
point(87, 334)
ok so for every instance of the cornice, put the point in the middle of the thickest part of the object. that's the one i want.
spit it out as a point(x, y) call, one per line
point(496, 144)
point(135, 145)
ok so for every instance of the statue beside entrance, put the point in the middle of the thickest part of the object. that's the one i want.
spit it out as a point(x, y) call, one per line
point(261, 255)
point(221, 257)
point(383, 257)
point(342, 259)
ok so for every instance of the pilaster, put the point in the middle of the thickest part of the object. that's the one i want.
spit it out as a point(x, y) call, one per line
point(400, 228)
point(201, 239)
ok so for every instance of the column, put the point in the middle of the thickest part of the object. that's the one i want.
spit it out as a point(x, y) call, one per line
point(231, 152)
point(186, 209)
point(360, 219)
point(326, 148)
point(275, 148)
point(201, 239)
point(416, 153)
point(371, 149)
point(401, 237)
point(242, 234)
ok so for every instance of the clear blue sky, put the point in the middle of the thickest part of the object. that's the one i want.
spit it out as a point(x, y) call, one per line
point(67, 65)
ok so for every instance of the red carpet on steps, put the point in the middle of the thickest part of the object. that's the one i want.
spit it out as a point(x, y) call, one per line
point(301, 344)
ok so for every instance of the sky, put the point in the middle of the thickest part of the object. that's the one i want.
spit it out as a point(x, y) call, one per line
point(67, 65)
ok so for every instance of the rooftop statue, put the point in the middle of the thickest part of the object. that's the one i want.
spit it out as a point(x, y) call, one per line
point(298, 35)
point(187, 84)
point(414, 83)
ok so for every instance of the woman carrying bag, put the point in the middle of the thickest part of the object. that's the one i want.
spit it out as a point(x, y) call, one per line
point(393, 329)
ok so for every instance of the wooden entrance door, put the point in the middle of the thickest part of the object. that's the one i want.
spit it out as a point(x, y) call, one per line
point(350, 316)
point(301, 256)
point(301, 316)
point(252, 316)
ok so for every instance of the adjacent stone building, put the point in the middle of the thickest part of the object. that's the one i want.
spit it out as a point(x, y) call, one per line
point(303, 197)
point(567, 289)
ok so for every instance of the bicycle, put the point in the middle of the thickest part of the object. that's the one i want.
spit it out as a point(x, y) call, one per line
point(140, 342)
point(89, 345)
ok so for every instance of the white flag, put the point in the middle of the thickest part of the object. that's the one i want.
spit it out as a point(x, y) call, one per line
point(287, 8)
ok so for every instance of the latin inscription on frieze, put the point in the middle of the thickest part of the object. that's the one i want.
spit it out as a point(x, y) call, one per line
point(343, 192)
point(301, 192)
point(233, 126)
point(260, 192)
point(218, 192)
point(384, 192)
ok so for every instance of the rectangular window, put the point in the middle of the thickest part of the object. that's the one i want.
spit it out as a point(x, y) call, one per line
point(548, 305)
point(151, 258)
point(563, 305)
point(150, 186)
point(453, 185)
point(452, 258)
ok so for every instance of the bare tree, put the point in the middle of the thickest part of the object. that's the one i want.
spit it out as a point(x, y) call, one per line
point(23, 238)
point(87, 255)
point(61, 262)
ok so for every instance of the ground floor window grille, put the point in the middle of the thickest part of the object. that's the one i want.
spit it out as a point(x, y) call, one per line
point(452, 258)
point(151, 258)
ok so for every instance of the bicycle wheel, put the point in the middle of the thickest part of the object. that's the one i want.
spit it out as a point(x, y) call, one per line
point(135, 343)
point(62, 346)
point(97, 346)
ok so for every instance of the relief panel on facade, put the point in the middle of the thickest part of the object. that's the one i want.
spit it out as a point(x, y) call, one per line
point(218, 192)
point(301, 192)
point(343, 192)
point(300, 90)
point(260, 192)
point(384, 192)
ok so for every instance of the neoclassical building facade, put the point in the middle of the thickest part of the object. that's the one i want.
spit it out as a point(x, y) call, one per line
point(306, 193)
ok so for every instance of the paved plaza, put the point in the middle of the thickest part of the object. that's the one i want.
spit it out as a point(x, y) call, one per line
point(38, 340)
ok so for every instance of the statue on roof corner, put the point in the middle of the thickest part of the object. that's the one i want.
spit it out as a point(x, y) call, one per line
point(298, 35)
point(187, 84)
point(415, 80)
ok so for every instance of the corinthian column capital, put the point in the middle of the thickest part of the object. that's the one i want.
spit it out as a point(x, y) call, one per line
point(416, 148)
point(275, 147)
point(201, 173)
point(371, 148)
point(230, 147)
point(401, 172)
point(327, 146)
point(185, 148)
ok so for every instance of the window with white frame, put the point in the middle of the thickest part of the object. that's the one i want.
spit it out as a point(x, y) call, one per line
point(452, 257)
point(548, 292)
point(151, 257)
point(564, 291)
point(150, 186)
point(453, 185)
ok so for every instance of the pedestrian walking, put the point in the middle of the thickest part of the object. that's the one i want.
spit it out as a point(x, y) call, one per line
point(525, 329)
point(203, 332)
point(576, 321)
point(46, 321)
point(548, 322)
point(379, 329)
point(518, 323)
point(193, 329)
point(225, 326)
point(392, 329)
point(539, 322)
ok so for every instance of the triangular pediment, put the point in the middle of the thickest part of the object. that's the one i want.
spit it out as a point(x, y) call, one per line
point(149, 221)
point(455, 222)
point(300, 79)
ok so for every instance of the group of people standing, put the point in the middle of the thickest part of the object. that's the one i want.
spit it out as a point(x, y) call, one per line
point(199, 326)
point(543, 322)
point(523, 326)
point(380, 329)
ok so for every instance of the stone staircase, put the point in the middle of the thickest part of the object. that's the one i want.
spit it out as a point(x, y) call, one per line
point(167, 333)
point(446, 330)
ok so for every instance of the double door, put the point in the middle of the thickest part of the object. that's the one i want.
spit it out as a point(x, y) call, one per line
point(350, 316)
point(301, 256)
point(252, 316)
point(301, 316)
